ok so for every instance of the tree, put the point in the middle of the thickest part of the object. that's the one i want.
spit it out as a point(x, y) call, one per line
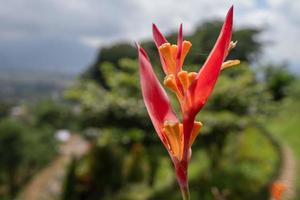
point(69, 188)
point(108, 54)
point(11, 145)
point(53, 114)
point(278, 79)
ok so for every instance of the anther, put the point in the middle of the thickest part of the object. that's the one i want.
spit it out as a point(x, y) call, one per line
point(186, 45)
point(195, 131)
point(174, 136)
point(232, 44)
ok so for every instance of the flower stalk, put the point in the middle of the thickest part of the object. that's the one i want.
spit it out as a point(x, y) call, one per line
point(182, 178)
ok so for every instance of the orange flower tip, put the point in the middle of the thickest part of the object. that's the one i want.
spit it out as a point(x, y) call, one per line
point(182, 74)
point(230, 63)
point(166, 52)
point(170, 82)
point(195, 132)
point(164, 46)
point(186, 45)
point(184, 79)
point(174, 50)
point(192, 76)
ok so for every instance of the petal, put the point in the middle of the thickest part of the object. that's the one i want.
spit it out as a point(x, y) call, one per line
point(158, 37)
point(155, 97)
point(179, 45)
point(159, 40)
point(205, 81)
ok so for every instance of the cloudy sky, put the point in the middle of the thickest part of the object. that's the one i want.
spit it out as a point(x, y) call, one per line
point(65, 34)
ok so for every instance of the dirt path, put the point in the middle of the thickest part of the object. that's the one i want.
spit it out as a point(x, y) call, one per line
point(47, 184)
point(288, 173)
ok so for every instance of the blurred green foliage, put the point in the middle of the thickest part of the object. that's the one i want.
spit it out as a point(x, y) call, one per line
point(278, 80)
point(23, 151)
point(11, 144)
point(126, 160)
point(57, 115)
point(69, 191)
point(27, 140)
point(121, 106)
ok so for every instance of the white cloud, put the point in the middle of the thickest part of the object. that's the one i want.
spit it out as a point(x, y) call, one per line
point(99, 22)
point(281, 21)
point(93, 42)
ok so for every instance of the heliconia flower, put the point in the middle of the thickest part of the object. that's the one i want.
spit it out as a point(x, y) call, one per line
point(191, 88)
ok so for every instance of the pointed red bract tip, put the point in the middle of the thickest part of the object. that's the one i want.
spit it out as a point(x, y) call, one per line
point(205, 81)
point(179, 45)
point(158, 37)
point(231, 8)
point(156, 100)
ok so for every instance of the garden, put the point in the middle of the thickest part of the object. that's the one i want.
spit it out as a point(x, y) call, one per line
point(248, 141)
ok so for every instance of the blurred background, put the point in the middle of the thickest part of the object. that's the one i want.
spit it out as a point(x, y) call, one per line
point(73, 125)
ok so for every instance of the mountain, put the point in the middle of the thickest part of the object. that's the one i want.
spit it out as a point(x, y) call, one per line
point(43, 67)
point(45, 54)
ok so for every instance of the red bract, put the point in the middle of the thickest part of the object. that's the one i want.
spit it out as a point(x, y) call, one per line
point(156, 100)
point(192, 90)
